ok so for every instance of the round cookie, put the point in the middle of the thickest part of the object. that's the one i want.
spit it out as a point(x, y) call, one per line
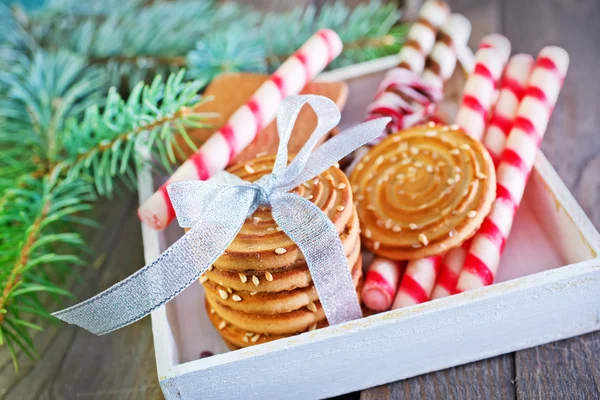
point(423, 191)
point(285, 278)
point(261, 245)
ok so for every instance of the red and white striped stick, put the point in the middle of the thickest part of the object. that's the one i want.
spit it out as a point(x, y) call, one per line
point(417, 282)
point(243, 126)
point(512, 90)
point(478, 95)
point(381, 283)
point(516, 163)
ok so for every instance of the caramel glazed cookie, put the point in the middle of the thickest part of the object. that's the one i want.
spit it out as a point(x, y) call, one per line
point(260, 288)
point(423, 191)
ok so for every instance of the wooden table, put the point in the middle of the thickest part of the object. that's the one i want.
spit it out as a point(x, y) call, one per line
point(76, 364)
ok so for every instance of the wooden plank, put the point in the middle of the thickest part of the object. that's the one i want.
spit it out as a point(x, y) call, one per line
point(570, 368)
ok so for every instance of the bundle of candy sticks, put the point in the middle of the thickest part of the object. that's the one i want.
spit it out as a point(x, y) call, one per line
point(508, 107)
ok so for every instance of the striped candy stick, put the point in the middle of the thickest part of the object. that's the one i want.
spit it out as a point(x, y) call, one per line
point(478, 95)
point(512, 90)
point(417, 282)
point(515, 166)
point(243, 126)
point(420, 276)
point(441, 63)
point(381, 283)
point(422, 34)
point(401, 86)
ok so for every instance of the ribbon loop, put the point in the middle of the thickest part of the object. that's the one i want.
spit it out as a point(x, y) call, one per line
point(216, 209)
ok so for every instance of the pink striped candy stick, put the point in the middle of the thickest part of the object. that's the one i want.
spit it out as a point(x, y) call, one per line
point(515, 166)
point(381, 283)
point(478, 95)
point(512, 89)
point(417, 282)
point(243, 126)
point(491, 57)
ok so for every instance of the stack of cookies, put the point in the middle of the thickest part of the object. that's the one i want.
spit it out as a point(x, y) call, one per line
point(260, 288)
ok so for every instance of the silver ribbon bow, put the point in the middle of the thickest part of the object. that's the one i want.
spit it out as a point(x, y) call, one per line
point(216, 209)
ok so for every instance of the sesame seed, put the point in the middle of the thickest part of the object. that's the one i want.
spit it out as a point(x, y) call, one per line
point(376, 245)
point(371, 207)
point(429, 169)
point(212, 310)
point(454, 127)
point(312, 327)
point(431, 124)
point(203, 278)
point(277, 228)
point(379, 160)
point(224, 295)
point(450, 181)
point(423, 239)
point(368, 233)
point(310, 197)
point(249, 169)
point(388, 223)
point(255, 338)
point(416, 246)
point(256, 220)
point(306, 185)
point(255, 280)
point(400, 177)
point(366, 158)
point(261, 154)
point(253, 293)
point(243, 278)
point(413, 226)
point(405, 161)
point(414, 151)
point(337, 165)
point(360, 167)
point(222, 325)
point(418, 164)
point(316, 181)
point(431, 133)
point(457, 169)
point(403, 146)
point(280, 251)
point(472, 214)
point(230, 290)
point(479, 175)
point(210, 267)
point(396, 228)
point(268, 276)
point(311, 307)
point(465, 146)
point(341, 186)
point(245, 339)
point(454, 152)
point(249, 334)
point(452, 233)
point(443, 246)
point(270, 229)
point(360, 197)
point(445, 128)
point(235, 297)
point(340, 208)
point(435, 156)
point(396, 139)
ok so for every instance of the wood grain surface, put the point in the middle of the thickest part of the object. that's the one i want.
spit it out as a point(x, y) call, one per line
point(77, 365)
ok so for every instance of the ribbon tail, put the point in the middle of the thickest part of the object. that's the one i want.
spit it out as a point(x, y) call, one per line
point(317, 238)
point(177, 268)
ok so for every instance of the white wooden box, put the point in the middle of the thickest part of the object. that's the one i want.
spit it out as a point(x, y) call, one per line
point(548, 288)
